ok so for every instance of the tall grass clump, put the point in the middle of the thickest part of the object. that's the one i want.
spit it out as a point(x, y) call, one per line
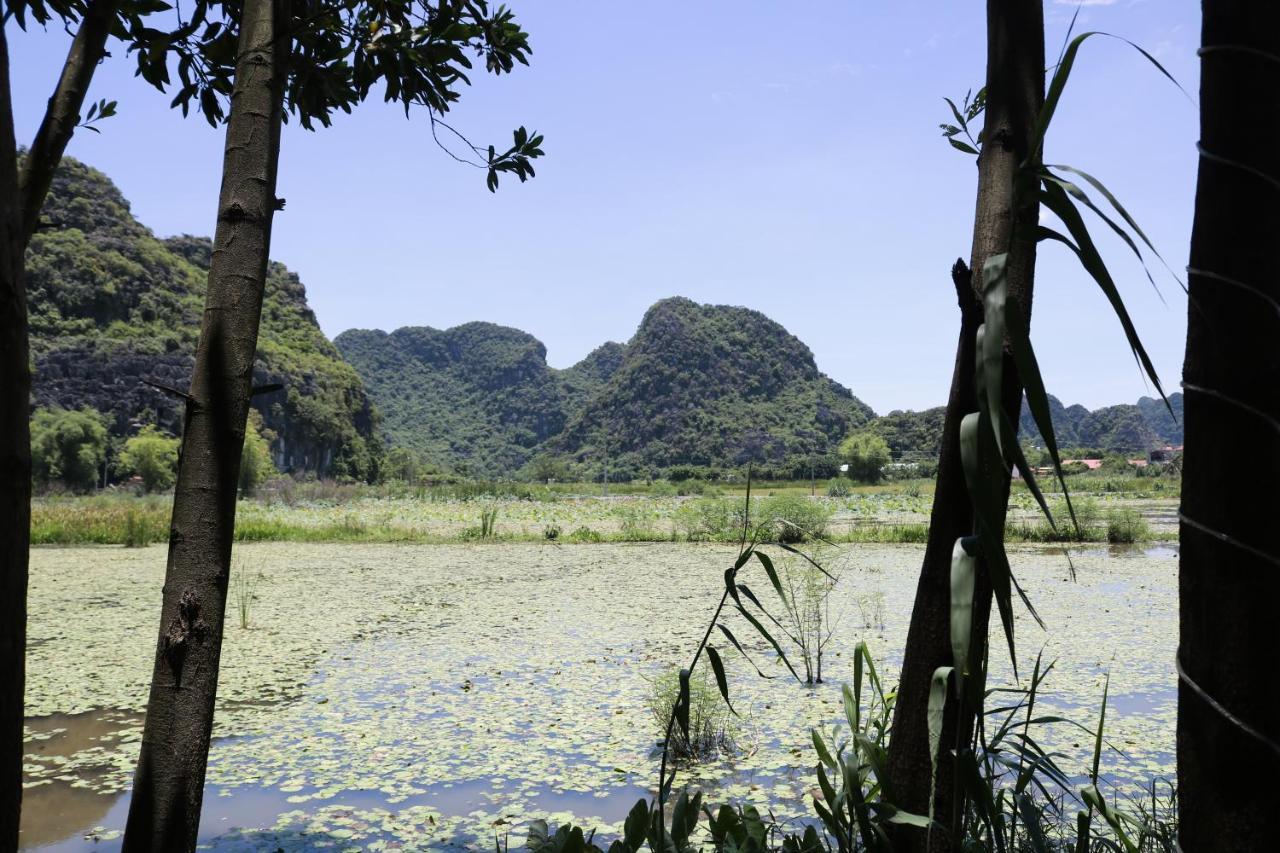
point(637, 522)
point(136, 531)
point(243, 587)
point(712, 729)
point(487, 528)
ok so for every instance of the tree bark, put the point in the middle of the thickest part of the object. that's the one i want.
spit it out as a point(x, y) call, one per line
point(15, 470)
point(1229, 573)
point(63, 113)
point(22, 194)
point(1015, 91)
point(165, 810)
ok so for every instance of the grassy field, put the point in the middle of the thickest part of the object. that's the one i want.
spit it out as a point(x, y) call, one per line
point(1107, 510)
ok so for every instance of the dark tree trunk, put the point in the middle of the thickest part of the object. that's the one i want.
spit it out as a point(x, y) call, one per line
point(1015, 90)
point(1229, 580)
point(15, 470)
point(22, 195)
point(165, 810)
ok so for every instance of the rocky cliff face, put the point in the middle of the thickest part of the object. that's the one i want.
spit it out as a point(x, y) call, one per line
point(114, 308)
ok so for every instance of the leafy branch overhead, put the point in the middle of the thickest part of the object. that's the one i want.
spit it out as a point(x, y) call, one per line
point(419, 53)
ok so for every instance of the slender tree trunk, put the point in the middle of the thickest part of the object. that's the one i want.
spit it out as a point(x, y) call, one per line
point(15, 470)
point(63, 113)
point(165, 810)
point(22, 194)
point(1015, 91)
point(1229, 579)
point(21, 197)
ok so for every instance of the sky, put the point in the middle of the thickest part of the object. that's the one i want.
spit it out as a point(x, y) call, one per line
point(781, 156)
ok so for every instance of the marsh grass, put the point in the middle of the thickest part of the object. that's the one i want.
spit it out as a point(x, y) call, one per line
point(487, 529)
point(891, 518)
point(1116, 525)
point(712, 728)
point(244, 583)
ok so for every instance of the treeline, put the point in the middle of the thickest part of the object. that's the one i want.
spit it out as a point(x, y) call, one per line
point(74, 450)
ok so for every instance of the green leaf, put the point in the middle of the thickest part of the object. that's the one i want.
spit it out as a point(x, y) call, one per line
point(717, 666)
point(724, 629)
point(1056, 200)
point(682, 704)
point(773, 577)
point(1059, 82)
point(769, 637)
point(820, 746)
point(936, 708)
point(962, 146)
point(995, 290)
point(1024, 358)
point(1080, 195)
point(1124, 214)
point(1020, 462)
point(980, 461)
point(963, 574)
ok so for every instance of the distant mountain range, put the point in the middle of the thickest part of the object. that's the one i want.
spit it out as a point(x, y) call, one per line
point(698, 389)
point(1126, 428)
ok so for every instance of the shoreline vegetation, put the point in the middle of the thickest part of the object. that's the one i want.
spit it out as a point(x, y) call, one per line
point(1108, 510)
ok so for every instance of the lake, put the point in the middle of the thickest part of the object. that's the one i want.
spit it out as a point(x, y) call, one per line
point(384, 696)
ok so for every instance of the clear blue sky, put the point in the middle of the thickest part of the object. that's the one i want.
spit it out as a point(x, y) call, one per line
point(781, 156)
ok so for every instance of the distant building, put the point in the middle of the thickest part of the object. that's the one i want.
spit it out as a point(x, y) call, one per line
point(1164, 454)
point(1091, 464)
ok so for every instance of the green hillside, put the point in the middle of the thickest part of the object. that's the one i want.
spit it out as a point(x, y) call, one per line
point(476, 399)
point(113, 305)
point(703, 388)
point(699, 388)
point(1126, 428)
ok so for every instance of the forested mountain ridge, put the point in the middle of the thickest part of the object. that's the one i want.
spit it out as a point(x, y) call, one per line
point(712, 387)
point(476, 399)
point(1124, 428)
point(698, 387)
point(112, 306)
point(1127, 428)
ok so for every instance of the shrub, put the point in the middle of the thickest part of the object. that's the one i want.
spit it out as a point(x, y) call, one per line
point(586, 534)
point(1125, 525)
point(636, 521)
point(551, 532)
point(137, 533)
point(255, 457)
point(792, 518)
point(710, 520)
point(153, 456)
point(663, 489)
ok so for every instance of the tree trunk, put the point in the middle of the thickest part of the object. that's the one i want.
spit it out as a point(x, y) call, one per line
point(22, 194)
point(15, 470)
point(165, 810)
point(1229, 578)
point(63, 113)
point(1015, 91)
